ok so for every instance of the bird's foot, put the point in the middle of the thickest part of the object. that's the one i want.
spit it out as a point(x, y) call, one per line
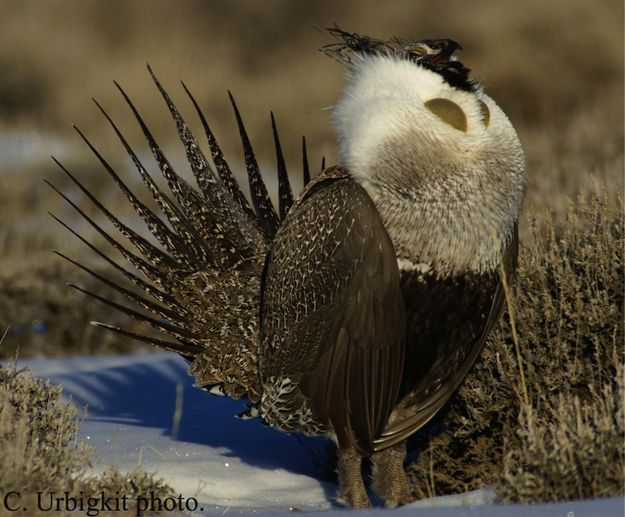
point(352, 490)
point(398, 495)
point(355, 498)
point(389, 479)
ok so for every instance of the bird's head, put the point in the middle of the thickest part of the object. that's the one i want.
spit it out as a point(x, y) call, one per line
point(410, 113)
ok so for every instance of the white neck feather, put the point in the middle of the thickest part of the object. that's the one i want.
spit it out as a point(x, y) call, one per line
point(442, 193)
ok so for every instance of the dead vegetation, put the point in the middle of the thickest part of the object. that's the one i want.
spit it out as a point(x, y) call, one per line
point(557, 73)
point(567, 443)
point(44, 316)
point(39, 450)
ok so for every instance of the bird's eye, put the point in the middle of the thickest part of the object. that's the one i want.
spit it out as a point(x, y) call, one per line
point(485, 113)
point(449, 112)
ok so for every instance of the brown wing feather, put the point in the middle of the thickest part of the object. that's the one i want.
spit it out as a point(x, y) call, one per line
point(332, 315)
point(416, 409)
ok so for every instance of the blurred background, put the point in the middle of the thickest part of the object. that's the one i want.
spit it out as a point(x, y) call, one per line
point(555, 67)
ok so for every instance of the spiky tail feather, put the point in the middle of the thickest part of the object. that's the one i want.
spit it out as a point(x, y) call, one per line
point(202, 283)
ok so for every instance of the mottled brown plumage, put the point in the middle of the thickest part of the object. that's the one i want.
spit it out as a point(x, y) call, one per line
point(203, 282)
point(332, 315)
point(356, 310)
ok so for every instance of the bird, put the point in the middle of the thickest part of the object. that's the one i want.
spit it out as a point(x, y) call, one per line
point(355, 310)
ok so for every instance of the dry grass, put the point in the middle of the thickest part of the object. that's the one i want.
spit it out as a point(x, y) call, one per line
point(558, 73)
point(39, 450)
point(567, 443)
point(43, 316)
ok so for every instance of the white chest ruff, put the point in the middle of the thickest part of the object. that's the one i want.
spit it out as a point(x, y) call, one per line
point(448, 198)
point(443, 237)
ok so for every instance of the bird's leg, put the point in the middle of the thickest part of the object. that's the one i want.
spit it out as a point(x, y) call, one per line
point(351, 486)
point(389, 478)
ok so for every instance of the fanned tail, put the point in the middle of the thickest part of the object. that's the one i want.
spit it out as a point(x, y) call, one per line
point(200, 285)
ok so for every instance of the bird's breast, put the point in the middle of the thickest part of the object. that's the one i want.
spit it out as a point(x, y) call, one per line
point(445, 318)
point(446, 234)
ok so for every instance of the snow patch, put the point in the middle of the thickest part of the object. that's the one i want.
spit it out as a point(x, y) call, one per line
point(231, 466)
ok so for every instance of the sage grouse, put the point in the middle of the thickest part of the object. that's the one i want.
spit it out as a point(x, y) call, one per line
point(357, 310)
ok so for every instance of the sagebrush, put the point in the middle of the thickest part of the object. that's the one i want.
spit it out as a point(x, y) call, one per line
point(39, 449)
